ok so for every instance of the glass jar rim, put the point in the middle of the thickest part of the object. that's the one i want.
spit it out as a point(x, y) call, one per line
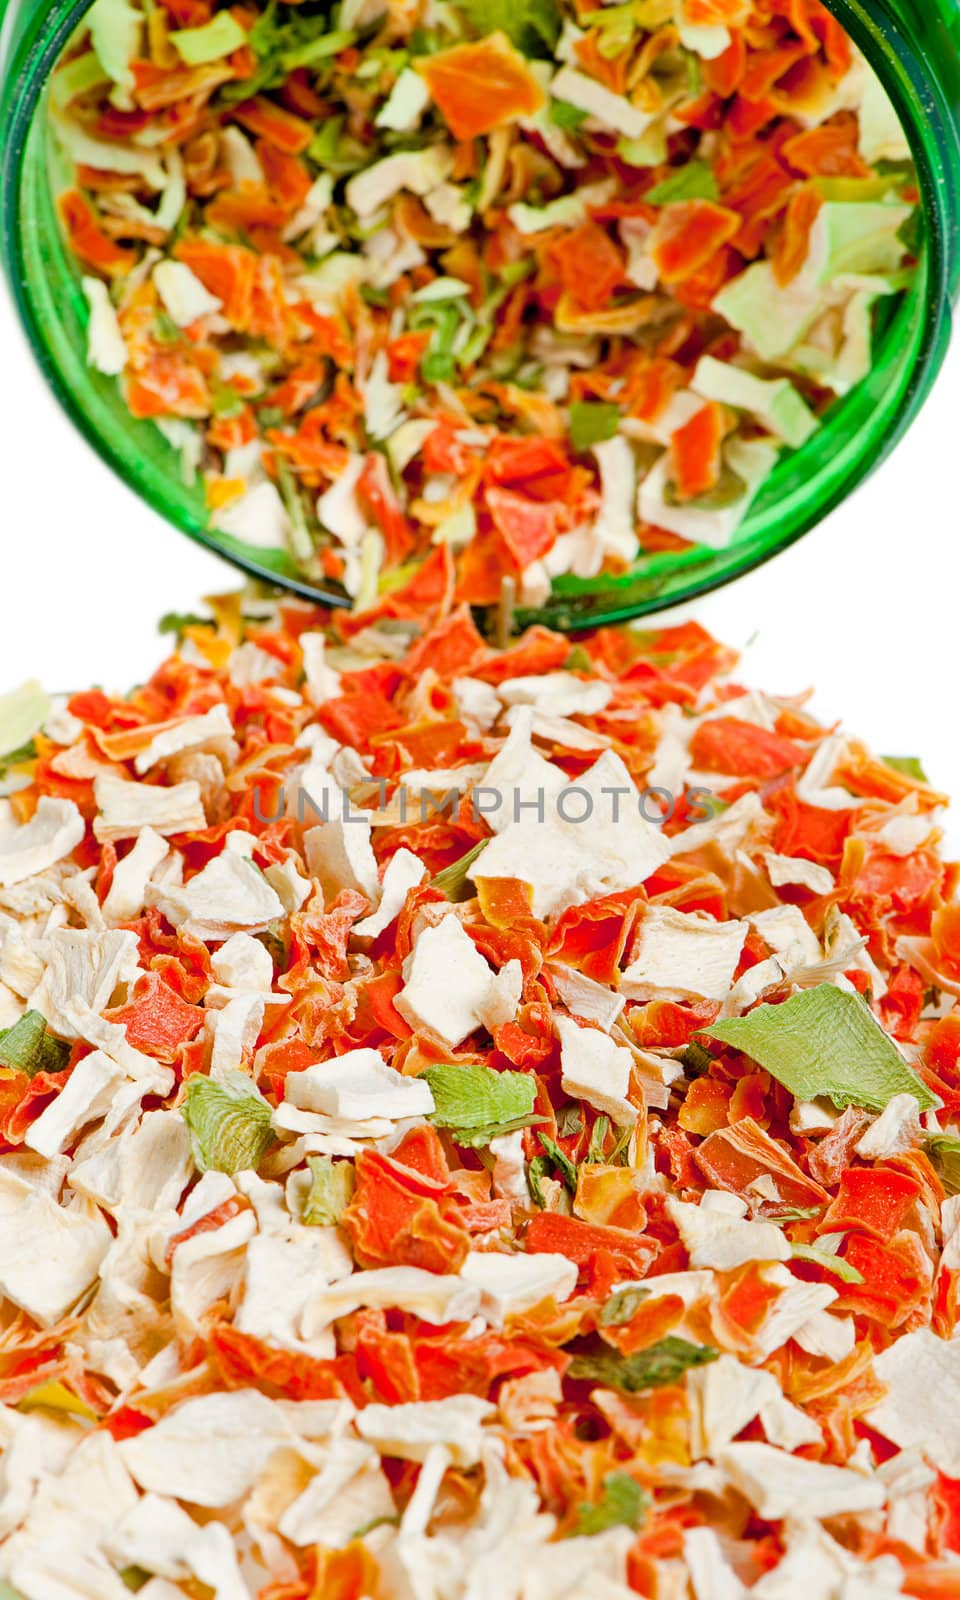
point(930, 119)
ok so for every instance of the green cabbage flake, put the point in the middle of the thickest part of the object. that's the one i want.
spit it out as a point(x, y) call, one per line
point(532, 25)
point(695, 180)
point(331, 1190)
point(28, 1047)
point(474, 1097)
point(910, 766)
point(216, 39)
point(825, 1042)
point(944, 1151)
point(622, 1504)
point(592, 421)
point(22, 714)
point(229, 1123)
point(116, 29)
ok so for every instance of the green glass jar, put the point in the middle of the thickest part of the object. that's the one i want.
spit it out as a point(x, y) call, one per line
point(913, 45)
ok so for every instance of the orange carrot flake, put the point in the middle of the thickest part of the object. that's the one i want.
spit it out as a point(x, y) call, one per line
point(479, 87)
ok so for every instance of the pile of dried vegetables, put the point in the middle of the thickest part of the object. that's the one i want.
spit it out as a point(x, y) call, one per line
point(542, 283)
point(426, 1177)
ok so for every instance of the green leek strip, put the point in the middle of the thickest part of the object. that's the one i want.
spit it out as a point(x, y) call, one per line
point(328, 44)
point(452, 880)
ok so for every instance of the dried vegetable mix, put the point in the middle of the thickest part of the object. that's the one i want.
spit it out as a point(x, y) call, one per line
point(473, 1123)
point(539, 286)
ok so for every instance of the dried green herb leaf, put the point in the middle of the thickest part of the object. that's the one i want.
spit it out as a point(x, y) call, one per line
point(825, 1042)
point(658, 1366)
point(622, 1503)
point(471, 1096)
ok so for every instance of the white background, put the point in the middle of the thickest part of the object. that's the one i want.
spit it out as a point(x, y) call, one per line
point(865, 609)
